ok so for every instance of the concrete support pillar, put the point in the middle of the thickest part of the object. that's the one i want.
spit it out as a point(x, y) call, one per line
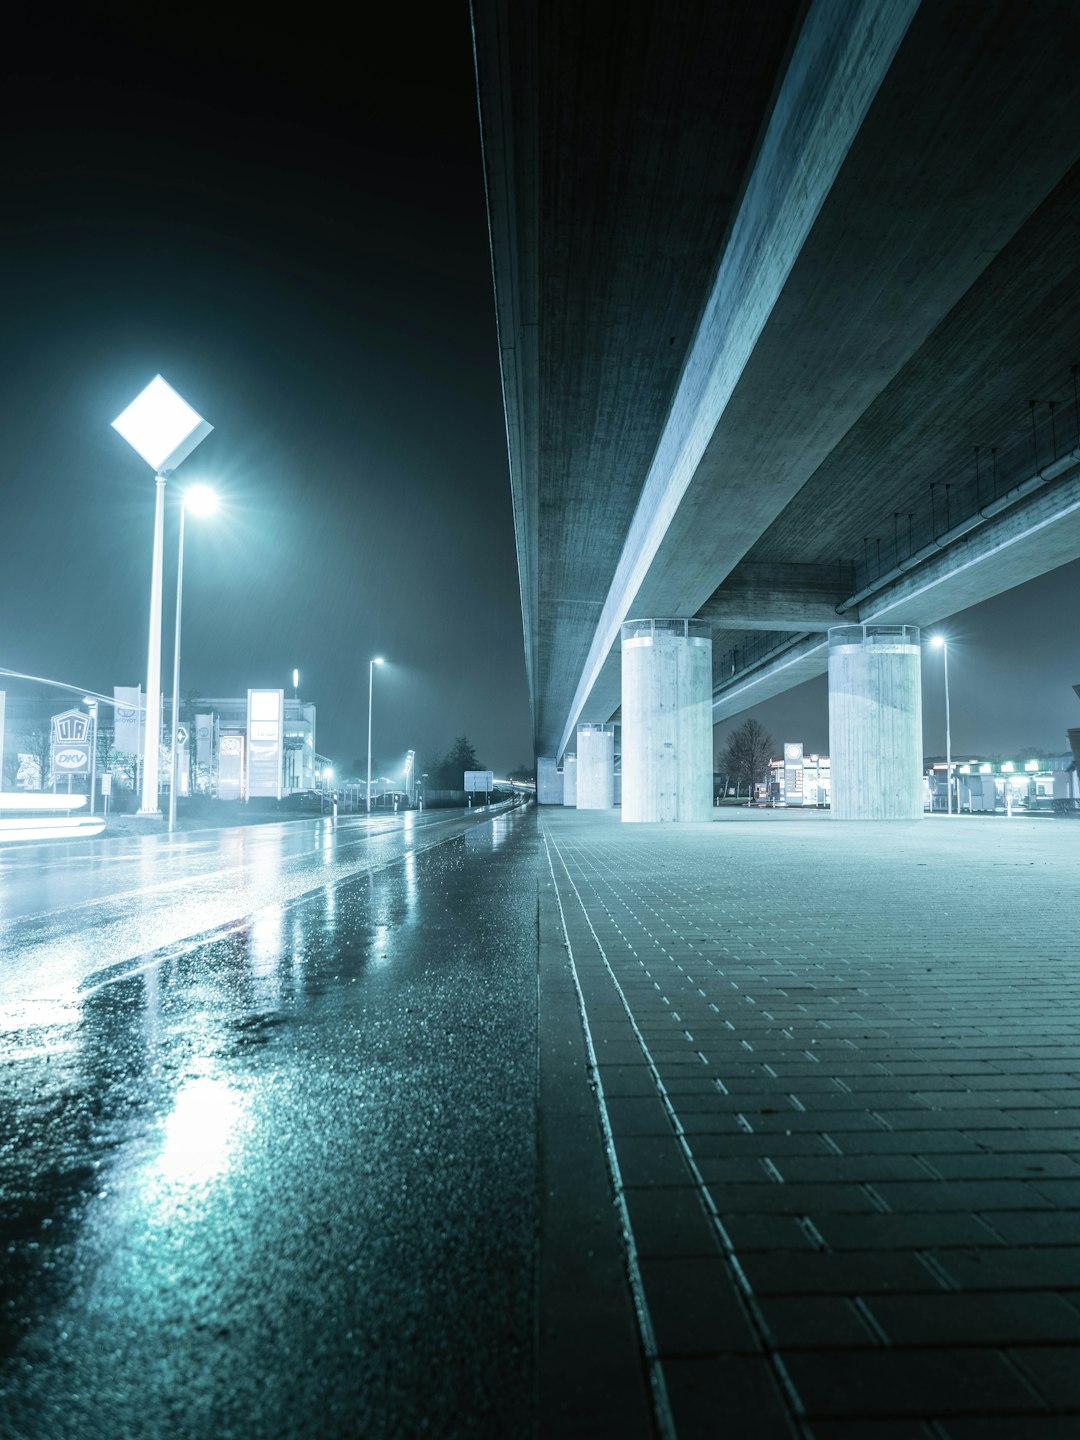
point(667, 760)
point(569, 781)
point(595, 767)
point(548, 781)
point(875, 722)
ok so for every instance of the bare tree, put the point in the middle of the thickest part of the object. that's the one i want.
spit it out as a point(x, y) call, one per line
point(745, 758)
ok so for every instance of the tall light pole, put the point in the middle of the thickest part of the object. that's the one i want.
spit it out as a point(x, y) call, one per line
point(204, 502)
point(91, 705)
point(940, 643)
point(164, 429)
point(378, 660)
point(296, 684)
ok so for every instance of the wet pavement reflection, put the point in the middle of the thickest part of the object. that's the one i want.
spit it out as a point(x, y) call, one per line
point(279, 1180)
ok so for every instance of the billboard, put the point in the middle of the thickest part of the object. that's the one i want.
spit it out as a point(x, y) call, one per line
point(231, 767)
point(793, 773)
point(70, 751)
point(265, 743)
point(128, 712)
point(204, 742)
point(480, 780)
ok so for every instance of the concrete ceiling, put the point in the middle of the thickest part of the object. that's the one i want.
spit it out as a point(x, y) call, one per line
point(764, 274)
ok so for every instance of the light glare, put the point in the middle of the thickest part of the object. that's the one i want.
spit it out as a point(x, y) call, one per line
point(201, 499)
point(161, 426)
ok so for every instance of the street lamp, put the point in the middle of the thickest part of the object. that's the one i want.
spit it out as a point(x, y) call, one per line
point(164, 429)
point(378, 660)
point(202, 501)
point(91, 705)
point(940, 643)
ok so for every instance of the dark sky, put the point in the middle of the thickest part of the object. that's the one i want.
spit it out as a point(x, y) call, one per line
point(289, 226)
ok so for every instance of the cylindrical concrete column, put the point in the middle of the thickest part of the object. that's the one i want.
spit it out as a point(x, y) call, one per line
point(875, 722)
point(569, 781)
point(595, 767)
point(667, 754)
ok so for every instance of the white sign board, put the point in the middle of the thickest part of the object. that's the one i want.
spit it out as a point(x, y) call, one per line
point(127, 708)
point(481, 780)
point(265, 742)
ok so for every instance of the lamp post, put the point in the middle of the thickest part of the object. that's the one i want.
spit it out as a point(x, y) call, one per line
point(940, 643)
point(91, 705)
point(378, 660)
point(296, 684)
point(163, 428)
point(204, 502)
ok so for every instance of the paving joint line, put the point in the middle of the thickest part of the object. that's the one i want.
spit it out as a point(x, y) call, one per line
point(787, 1388)
point(662, 1412)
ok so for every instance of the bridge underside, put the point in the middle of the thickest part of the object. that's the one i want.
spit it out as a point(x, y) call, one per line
point(776, 288)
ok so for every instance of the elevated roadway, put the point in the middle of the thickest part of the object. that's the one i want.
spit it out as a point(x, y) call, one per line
point(787, 309)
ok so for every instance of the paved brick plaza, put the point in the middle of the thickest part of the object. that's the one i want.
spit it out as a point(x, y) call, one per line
point(840, 1064)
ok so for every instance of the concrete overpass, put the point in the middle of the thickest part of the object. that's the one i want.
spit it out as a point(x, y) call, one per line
point(787, 303)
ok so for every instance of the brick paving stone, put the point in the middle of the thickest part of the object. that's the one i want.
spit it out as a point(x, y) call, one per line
point(1008, 1166)
point(816, 1322)
point(670, 1222)
point(1047, 1427)
point(1055, 1369)
point(877, 1072)
point(1048, 1267)
point(874, 1430)
point(850, 1273)
point(726, 1395)
point(904, 1232)
point(650, 1160)
point(909, 1382)
point(695, 1308)
point(985, 1319)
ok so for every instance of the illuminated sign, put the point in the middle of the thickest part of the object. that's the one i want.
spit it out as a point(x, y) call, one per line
point(127, 708)
point(73, 725)
point(793, 773)
point(266, 729)
point(71, 759)
point(231, 767)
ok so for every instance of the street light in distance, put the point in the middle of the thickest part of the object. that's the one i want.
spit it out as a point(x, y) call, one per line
point(377, 660)
point(940, 643)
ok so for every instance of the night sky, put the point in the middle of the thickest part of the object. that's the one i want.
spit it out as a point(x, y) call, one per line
point(289, 226)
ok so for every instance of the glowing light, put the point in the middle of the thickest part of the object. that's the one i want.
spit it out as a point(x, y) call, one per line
point(1032, 765)
point(328, 773)
point(201, 1132)
point(200, 499)
point(985, 768)
point(378, 660)
point(52, 827)
point(37, 800)
point(161, 426)
point(937, 641)
point(965, 769)
point(1008, 767)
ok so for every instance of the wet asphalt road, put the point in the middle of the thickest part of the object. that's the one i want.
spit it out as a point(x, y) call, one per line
point(267, 1132)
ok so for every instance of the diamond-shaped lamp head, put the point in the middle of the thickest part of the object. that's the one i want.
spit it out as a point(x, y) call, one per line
point(161, 426)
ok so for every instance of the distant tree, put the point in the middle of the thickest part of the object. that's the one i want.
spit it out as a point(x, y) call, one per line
point(745, 758)
point(449, 772)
